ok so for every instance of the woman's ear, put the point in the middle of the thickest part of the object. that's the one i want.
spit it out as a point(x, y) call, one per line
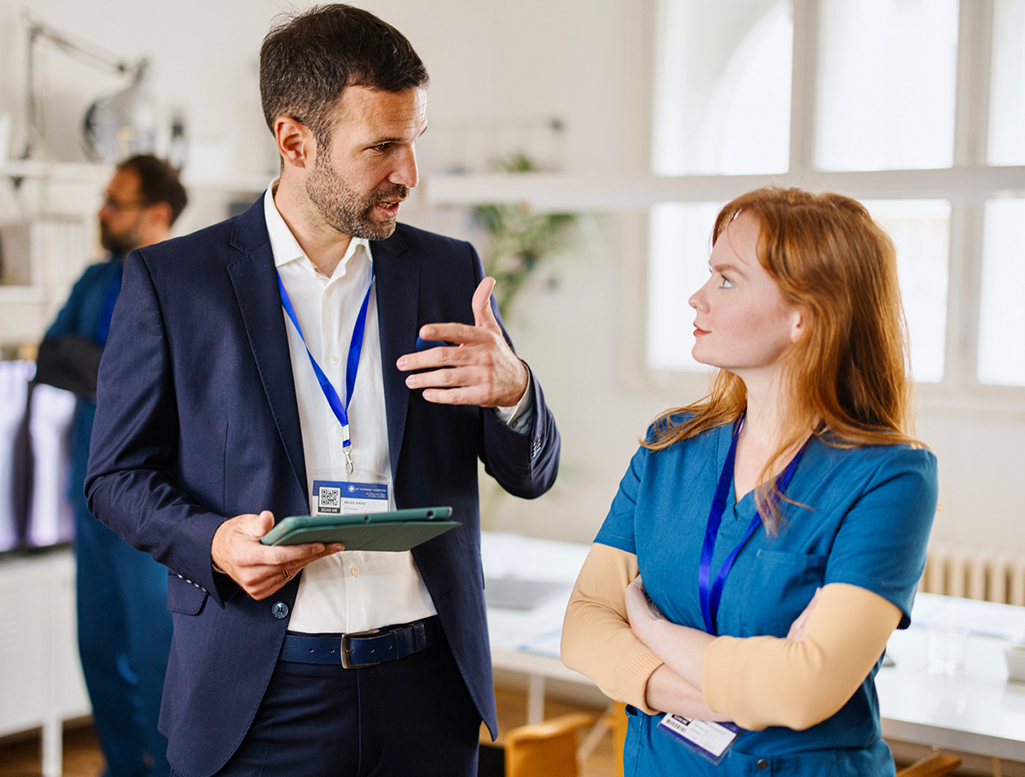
point(797, 325)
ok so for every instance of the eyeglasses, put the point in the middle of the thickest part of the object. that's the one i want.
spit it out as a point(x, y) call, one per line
point(120, 207)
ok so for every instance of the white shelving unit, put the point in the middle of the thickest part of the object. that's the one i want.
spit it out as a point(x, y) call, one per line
point(40, 672)
point(66, 196)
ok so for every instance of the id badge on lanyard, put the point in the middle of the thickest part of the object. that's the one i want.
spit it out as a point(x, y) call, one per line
point(366, 493)
point(357, 490)
point(709, 739)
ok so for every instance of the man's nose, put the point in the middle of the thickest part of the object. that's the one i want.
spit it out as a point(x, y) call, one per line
point(405, 172)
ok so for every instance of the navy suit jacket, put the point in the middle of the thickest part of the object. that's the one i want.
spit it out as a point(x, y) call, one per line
point(197, 421)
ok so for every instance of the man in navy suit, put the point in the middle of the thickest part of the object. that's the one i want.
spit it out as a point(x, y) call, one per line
point(314, 356)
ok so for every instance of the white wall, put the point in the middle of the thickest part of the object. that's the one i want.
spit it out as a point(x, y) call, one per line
point(586, 61)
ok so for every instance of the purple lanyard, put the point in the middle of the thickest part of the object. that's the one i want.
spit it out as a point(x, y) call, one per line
point(709, 591)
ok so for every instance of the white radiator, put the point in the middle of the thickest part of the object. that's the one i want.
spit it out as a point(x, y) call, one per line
point(975, 574)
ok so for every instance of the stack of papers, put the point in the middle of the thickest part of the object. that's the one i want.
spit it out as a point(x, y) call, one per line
point(985, 618)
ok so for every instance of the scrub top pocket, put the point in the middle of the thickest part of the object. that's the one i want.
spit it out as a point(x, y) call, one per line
point(777, 589)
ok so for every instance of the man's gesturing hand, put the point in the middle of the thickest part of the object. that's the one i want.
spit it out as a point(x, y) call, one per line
point(260, 569)
point(480, 369)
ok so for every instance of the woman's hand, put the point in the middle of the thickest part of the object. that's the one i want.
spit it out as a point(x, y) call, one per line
point(680, 647)
point(640, 610)
point(797, 627)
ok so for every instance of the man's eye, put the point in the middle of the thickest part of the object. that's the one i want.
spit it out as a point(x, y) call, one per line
point(382, 147)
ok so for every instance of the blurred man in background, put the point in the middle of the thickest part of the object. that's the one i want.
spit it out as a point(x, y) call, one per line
point(124, 628)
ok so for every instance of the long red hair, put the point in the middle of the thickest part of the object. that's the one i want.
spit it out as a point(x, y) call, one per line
point(848, 377)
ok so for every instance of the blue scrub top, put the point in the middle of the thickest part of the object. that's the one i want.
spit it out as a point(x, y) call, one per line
point(863, 518)
point(83, 315)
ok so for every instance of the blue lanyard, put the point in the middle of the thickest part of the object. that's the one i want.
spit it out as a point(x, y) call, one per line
point(107, 312)
point(351, 365)
point(709, 591)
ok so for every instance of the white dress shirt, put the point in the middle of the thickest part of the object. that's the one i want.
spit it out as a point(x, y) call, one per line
point(352, 590)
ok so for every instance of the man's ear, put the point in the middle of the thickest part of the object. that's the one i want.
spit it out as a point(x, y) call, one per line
point(159, 214)
point(295, 142)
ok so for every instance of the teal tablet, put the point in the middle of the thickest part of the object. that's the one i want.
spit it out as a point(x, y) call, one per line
point(396, 530)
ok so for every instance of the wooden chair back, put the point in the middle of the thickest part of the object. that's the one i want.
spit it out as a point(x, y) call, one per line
point(933, 766)
point(546, 749)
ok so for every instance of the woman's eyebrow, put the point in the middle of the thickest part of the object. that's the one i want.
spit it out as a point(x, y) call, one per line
point(720, 267)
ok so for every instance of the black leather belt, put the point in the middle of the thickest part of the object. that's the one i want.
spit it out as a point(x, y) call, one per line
point(365, 648)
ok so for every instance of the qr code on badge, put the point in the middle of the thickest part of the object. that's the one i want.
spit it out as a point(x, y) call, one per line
point(329, 499)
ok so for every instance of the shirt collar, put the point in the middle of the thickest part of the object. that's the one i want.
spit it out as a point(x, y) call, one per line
point(286, 248)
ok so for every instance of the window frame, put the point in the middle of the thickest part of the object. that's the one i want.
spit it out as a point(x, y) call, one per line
point(967, 184)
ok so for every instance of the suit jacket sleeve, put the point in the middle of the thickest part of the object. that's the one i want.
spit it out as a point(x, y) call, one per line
point(133, 452)
point(525, 464)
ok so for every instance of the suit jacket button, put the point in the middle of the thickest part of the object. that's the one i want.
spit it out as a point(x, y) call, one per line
point(762, 764)
point(279, 610)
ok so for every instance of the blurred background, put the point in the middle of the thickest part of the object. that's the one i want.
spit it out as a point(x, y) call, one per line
point(585, 147)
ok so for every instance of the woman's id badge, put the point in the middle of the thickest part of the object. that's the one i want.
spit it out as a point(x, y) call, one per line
point(711, 740)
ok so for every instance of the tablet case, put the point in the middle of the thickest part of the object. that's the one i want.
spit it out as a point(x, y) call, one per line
point(396, 531)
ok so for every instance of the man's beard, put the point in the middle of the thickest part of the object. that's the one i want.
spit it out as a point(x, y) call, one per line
point(118, 245)
point(346, 210)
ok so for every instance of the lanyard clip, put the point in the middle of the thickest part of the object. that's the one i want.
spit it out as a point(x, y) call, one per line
point(346, 445)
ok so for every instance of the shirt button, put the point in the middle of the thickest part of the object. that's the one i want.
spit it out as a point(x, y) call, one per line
point(762, 764)
point(355, 571)
point(334, 360)
point(279, 610)
point(329, 292)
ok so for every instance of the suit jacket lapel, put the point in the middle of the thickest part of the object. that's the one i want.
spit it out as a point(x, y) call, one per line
point(398, 283)
point(254, 279)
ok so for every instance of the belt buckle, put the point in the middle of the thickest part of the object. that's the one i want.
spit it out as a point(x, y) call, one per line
point(346, 650)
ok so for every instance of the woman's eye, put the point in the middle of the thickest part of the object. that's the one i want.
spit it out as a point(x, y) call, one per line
point(725, 283)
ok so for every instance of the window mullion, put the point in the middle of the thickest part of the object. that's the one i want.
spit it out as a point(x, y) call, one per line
point(963, 292)
point(971, 131)
point(974, 62)
point(803, 86)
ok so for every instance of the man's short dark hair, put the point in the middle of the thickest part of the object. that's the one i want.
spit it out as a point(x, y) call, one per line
point(158, 182)
point(307, 60)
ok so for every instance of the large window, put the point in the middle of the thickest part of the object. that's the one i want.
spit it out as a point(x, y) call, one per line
point(914, 107)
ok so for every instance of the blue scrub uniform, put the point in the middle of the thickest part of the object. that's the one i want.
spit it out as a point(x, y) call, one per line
point(863, 518)
point(124, 627)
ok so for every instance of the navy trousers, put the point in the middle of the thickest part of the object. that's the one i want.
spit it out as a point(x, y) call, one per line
point(413, 716)
point(124, 637)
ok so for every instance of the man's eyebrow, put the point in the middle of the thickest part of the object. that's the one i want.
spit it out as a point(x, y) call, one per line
point(382, 141)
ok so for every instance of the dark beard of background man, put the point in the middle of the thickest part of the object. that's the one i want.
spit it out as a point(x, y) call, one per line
point(119, 244)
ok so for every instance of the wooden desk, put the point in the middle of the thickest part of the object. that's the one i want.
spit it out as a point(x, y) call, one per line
point(978, 711)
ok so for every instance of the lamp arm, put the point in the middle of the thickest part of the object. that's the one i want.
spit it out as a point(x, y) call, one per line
point(79, 49)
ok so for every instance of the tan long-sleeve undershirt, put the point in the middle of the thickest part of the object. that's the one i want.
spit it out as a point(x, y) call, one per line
point(596, 636)
point(756, 681)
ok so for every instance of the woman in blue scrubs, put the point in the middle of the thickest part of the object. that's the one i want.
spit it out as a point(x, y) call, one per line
point(766, 540)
